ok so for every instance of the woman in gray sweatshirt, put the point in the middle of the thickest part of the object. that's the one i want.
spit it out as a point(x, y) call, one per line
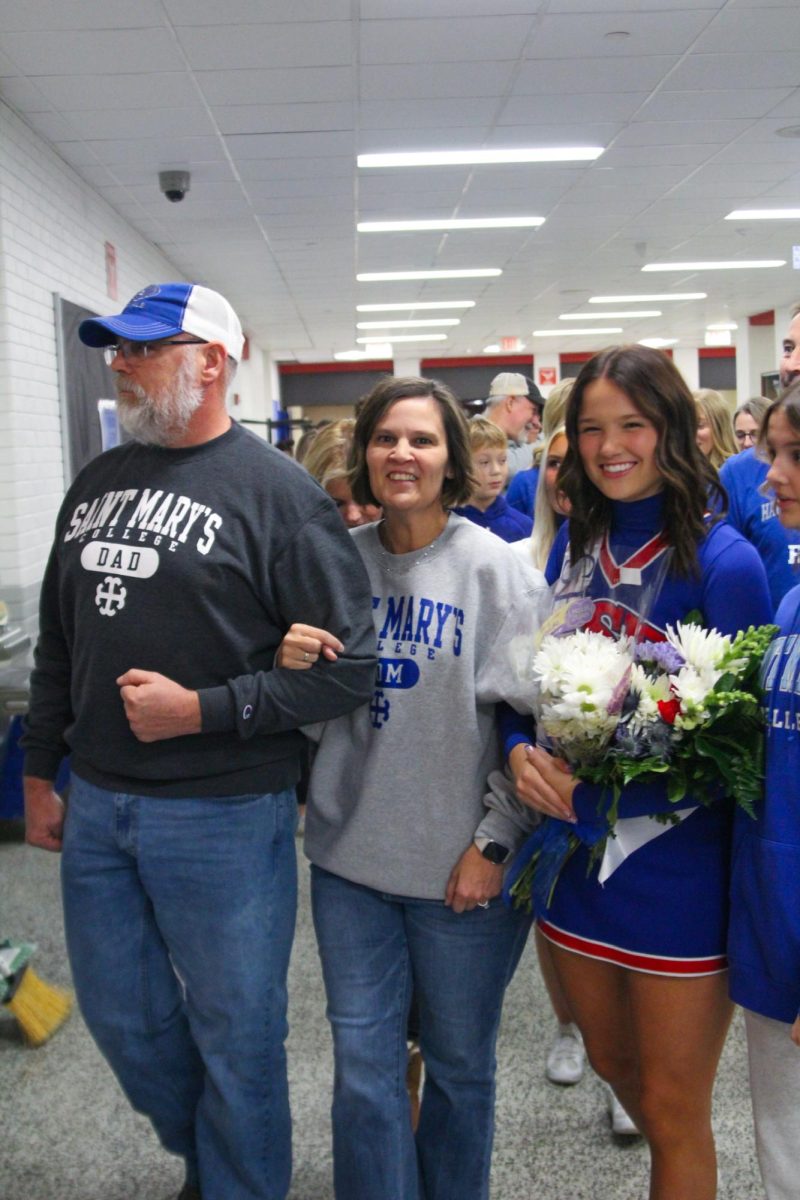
point(405, 877)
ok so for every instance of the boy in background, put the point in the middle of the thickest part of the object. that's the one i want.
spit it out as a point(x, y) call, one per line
point(487, 506)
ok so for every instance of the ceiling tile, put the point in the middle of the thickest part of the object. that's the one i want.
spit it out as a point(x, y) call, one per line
point(704, 133)
point(239, 12)
point(711, 106)
point(283, 118)
point(566, 76)
point(716, 72)
point(790, 107)
point(580, 35)
point(291, 145)
point(413, 114)
point(144, 123)
point(305, 44)
point(162, 152)
point(614, 7)
point(437, 40)
point(577, 107)
point(279, 86)
point(449, 79)
point(88, 92)
point(48, 15)
point(463, 137)
point(750, 31)
point(295, 168)
point(79, 52)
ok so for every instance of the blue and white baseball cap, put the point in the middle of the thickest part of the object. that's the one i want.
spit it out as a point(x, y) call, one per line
point(163, 310)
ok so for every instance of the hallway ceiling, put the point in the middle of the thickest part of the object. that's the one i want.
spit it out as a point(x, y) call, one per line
point(267, 105)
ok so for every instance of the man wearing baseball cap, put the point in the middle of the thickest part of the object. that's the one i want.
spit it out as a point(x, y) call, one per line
point(512, 404)
point(179, 562)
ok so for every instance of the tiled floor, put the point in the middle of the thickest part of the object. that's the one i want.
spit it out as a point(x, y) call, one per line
point(67, 1133)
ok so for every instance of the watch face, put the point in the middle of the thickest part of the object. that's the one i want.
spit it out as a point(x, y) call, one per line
point(495, 853)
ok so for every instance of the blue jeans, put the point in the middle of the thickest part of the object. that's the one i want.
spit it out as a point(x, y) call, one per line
point(179, 920)
point(374, 948)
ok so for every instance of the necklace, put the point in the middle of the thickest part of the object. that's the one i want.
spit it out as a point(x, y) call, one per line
point(397, 564)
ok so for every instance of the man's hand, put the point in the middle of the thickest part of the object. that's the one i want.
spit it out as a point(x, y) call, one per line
point(44, 814)
point(473, 881)
point(157, 708)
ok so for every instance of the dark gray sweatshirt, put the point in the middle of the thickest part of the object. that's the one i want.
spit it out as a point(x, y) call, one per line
point(194, 563)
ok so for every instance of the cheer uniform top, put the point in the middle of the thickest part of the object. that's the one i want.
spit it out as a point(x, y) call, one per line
point(764, 943)
point(664, 910)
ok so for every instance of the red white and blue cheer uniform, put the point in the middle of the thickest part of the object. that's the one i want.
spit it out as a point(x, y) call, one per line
point(664, 910)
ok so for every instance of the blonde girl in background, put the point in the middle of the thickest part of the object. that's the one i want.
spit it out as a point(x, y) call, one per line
point(714, 427)
point(327, 462)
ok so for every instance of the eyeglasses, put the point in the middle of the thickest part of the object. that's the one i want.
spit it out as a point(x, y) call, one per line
point(133, 351)
point(747, 436)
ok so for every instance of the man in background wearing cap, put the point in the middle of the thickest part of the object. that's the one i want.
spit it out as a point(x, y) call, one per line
point(180, 560)
point(511, 407)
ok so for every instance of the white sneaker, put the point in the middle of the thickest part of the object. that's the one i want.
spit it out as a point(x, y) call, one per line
point(565, 1060)
point(621, 1122)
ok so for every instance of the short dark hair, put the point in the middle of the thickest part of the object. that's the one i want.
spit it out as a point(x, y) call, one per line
point(387, 392)
point(691, 485)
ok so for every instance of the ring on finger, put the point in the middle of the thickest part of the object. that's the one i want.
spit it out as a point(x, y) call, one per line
point(483, 904)
point(306, 656)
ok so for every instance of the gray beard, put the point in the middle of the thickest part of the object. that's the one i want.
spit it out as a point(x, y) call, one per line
point(161, 419)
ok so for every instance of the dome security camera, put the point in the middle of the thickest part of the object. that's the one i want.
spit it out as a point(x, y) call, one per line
point(174, 184)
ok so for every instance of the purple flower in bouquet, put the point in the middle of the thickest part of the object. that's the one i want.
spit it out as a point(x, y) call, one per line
point(663, 655)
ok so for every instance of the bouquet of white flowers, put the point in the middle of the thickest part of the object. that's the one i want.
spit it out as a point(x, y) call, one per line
point(621, 709)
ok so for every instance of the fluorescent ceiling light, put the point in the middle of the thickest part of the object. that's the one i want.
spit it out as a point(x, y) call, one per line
point(466, 223)
point(723, 325)
point(575, 332)
point(718, 337)
point(657, 343)
point(407, 324)
point(613, 316)
point(474, 273)
point(654, 298)
point(721, 264)
point(375, 351)
point(493, 349)
point(405, 337)
point(764, 214)
point(410, 305)
point(457, 158)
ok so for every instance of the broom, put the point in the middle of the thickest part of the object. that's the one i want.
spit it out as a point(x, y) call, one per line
point(39, 1007)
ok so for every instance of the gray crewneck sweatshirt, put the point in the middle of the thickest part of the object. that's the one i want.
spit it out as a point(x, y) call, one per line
point(397, 787)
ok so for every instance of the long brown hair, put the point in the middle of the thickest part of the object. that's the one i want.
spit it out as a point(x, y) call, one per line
point(691, 485)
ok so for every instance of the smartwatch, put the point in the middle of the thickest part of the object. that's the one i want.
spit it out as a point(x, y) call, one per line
point(493, 852)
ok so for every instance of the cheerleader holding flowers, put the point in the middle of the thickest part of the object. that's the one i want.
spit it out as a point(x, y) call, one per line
point(641, 955)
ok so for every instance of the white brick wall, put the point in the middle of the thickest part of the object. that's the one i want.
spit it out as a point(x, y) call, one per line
point(53, 228)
